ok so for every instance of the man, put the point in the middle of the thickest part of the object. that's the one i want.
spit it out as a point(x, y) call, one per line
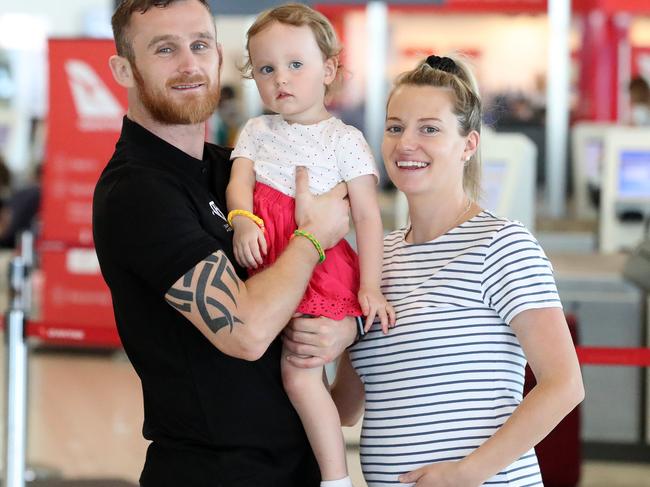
point(203, 341)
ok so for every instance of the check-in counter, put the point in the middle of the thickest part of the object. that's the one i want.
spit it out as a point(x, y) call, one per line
point(609, 313)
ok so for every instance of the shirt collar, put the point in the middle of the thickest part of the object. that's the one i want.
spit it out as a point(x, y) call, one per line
point(151, 149)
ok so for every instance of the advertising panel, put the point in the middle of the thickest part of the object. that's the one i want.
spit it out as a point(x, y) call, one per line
point(85, 117)
point(86, 107)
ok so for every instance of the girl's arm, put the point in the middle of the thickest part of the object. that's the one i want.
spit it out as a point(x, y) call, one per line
point(249, 244)
point(370, 235)
point(239, 193)
point(544, 336)
point(347, 392)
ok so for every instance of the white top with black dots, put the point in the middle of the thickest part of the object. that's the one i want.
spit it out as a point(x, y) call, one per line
point(331, 150)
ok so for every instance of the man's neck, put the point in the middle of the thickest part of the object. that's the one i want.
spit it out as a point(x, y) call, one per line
point(188, 138)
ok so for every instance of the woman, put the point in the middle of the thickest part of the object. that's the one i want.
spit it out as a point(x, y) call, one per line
point(475, 299)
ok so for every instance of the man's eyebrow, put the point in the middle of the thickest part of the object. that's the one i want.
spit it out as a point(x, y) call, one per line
point(204, 35)
point(170, 37)
point(161, 38)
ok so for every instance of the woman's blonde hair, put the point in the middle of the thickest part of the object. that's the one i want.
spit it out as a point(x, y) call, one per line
point(298, 15)
point(453, 73)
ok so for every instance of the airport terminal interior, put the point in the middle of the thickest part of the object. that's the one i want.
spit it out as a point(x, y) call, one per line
point(565, 146)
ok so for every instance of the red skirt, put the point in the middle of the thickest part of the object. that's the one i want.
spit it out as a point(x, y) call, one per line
point(332, 290)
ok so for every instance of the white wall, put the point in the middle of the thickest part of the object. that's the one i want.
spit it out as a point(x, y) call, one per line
point(231, 33)
point(513, 48)
point(64, 18)
point(640, 31)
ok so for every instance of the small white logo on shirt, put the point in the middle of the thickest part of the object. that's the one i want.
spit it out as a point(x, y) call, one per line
point(216, 211)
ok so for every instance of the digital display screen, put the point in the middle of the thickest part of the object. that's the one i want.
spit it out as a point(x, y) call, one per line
point(593, 160)
point(494, 175)
point(634, 174)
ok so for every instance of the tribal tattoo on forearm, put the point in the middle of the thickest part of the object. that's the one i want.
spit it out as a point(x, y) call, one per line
point(212, 273)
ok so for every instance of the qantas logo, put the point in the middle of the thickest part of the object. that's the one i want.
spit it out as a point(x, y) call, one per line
point(97, 108)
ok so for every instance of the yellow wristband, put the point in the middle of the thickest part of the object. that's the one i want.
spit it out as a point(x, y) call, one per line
point(247, 214)
point(314, 241)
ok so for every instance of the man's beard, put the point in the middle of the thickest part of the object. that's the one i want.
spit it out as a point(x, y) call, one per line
point(163, 109)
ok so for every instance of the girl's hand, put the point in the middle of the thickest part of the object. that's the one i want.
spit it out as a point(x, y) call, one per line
point(373, 303)
point(249, 244)
point(443, 474)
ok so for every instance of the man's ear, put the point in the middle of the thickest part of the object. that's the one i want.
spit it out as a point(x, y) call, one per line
point(220, 53)
point(122, 71)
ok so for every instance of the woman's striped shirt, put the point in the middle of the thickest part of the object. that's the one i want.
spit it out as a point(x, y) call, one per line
point(452, 371)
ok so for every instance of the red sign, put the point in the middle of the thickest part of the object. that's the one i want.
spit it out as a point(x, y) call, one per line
point(84, 122)
point(74, 300)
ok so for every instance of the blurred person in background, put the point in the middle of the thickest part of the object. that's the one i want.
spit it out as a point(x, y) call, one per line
point(227, 120)
point(19, 208)
point(639, 101)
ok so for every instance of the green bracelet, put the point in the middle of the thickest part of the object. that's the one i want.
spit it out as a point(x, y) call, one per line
point(313, 240)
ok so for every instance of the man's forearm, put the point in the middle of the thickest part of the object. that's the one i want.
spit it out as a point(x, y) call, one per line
point(212, 297)
point(274, 294)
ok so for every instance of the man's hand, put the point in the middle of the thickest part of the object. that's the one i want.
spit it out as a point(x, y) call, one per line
point(313, 342)
point(326, 216)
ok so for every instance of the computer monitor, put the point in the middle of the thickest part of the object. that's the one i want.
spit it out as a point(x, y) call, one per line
point(593, 161)
point(494, 173)
point(509, 174)
point(634, 174)
point(507, 181)
point(587, 152)
point(625, 195)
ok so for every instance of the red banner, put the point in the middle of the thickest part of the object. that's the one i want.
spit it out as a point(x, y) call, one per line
point(630, 357)
point(85, 117)
point(84, 123)
point(73, 290)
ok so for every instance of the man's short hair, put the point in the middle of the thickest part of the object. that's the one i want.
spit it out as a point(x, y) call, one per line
point(122, 18)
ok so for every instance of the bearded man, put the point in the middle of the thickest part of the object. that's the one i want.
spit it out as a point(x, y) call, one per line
point(203, 340)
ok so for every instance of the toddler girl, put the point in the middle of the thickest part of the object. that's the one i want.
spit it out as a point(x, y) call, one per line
point(293, 58)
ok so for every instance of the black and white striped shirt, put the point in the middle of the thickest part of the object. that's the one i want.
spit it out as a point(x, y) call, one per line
point(452, 371)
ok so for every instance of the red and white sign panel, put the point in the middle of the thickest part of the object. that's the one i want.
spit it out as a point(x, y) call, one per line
point(75, 303)
point(84, 123)
point(86, 107)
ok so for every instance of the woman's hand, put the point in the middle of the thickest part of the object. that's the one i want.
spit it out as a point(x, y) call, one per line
point(443, 474)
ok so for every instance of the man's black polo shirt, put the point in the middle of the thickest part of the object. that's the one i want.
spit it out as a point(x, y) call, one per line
point(214, 420)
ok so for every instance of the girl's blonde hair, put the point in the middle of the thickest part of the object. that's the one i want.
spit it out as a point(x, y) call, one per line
point(298, 15)
point(453, 73)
